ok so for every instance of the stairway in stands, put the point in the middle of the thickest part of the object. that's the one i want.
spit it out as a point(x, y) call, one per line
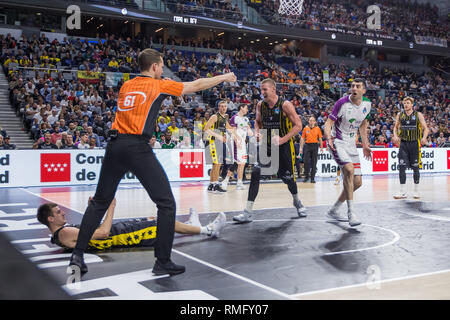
point(9, 121)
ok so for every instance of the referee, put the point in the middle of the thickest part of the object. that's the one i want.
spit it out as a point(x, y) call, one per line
point(311, 140)
point(138, 106)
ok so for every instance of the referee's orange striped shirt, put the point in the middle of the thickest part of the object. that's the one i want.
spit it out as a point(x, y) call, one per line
point(139, 103)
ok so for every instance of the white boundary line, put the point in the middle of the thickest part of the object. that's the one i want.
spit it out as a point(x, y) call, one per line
point(297, 295)
point(284, 295)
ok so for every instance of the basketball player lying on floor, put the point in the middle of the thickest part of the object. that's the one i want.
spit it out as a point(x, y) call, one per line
point(123, 234)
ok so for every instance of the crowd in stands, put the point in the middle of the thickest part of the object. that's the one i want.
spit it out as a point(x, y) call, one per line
point(69, 113)
point(400, 18)
point(224, 9)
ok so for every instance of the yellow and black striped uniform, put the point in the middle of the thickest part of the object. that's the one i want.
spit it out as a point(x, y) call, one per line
point(410, 129)
point(218, 150)
point(410, 153)
point(275, 119)
point(123, 234)
point(220, 124)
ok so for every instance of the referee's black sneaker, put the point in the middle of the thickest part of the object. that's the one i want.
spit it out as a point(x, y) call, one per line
point(167, 268)
point(77, 261)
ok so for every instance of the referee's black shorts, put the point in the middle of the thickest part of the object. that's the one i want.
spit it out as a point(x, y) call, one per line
point(409, 154)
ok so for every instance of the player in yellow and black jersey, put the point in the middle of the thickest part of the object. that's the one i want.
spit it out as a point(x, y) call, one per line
point(281, 123)
point(410, 132)
point(221, 151)
point(122, 234)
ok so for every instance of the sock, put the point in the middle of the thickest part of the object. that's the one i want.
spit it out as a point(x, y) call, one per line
point(337, 205)
point(78, 252)
point(350, 205)
point(239, 181)
point(215, 183)
point(416, 187)
point(249, 206)
point(402, 188)
point(225, 181)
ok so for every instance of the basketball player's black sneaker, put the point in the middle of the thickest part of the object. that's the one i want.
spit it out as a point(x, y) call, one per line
point(211, 188)
point(218, 189)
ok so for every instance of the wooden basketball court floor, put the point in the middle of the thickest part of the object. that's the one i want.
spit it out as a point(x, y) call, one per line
point(399, 252)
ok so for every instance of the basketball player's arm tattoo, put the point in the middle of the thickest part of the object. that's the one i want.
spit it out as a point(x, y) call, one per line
point(289, 110)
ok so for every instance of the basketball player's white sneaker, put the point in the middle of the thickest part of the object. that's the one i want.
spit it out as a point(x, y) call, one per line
point(215, 227)
point(193, 218)
point(244, 217)
point(400, 195)
point(301, 210)
point(333, 214)
point(240, 186)
point(336, 182)
point(353, 220)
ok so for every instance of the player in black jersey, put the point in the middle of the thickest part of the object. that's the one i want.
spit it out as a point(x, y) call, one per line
point(122, 234)
point(274, 113)
point(410, 132)
point(221, 152)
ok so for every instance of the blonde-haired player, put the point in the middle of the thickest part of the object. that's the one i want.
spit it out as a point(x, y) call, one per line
point(409, 125)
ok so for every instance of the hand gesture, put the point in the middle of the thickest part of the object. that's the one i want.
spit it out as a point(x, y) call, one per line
point(330, 144)
point(230, 77)
point(367, 153)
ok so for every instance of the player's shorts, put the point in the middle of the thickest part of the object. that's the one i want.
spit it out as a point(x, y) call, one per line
point(286, 161)
point(127, 234)
point(219, 152)
point(409, 154)
point(240, 154)
point(346, 152)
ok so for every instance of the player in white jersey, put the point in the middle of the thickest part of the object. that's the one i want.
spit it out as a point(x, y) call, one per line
point(350, 114)
point(242, 126)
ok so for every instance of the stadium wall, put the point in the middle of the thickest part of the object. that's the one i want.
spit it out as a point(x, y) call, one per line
point(26, 168)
